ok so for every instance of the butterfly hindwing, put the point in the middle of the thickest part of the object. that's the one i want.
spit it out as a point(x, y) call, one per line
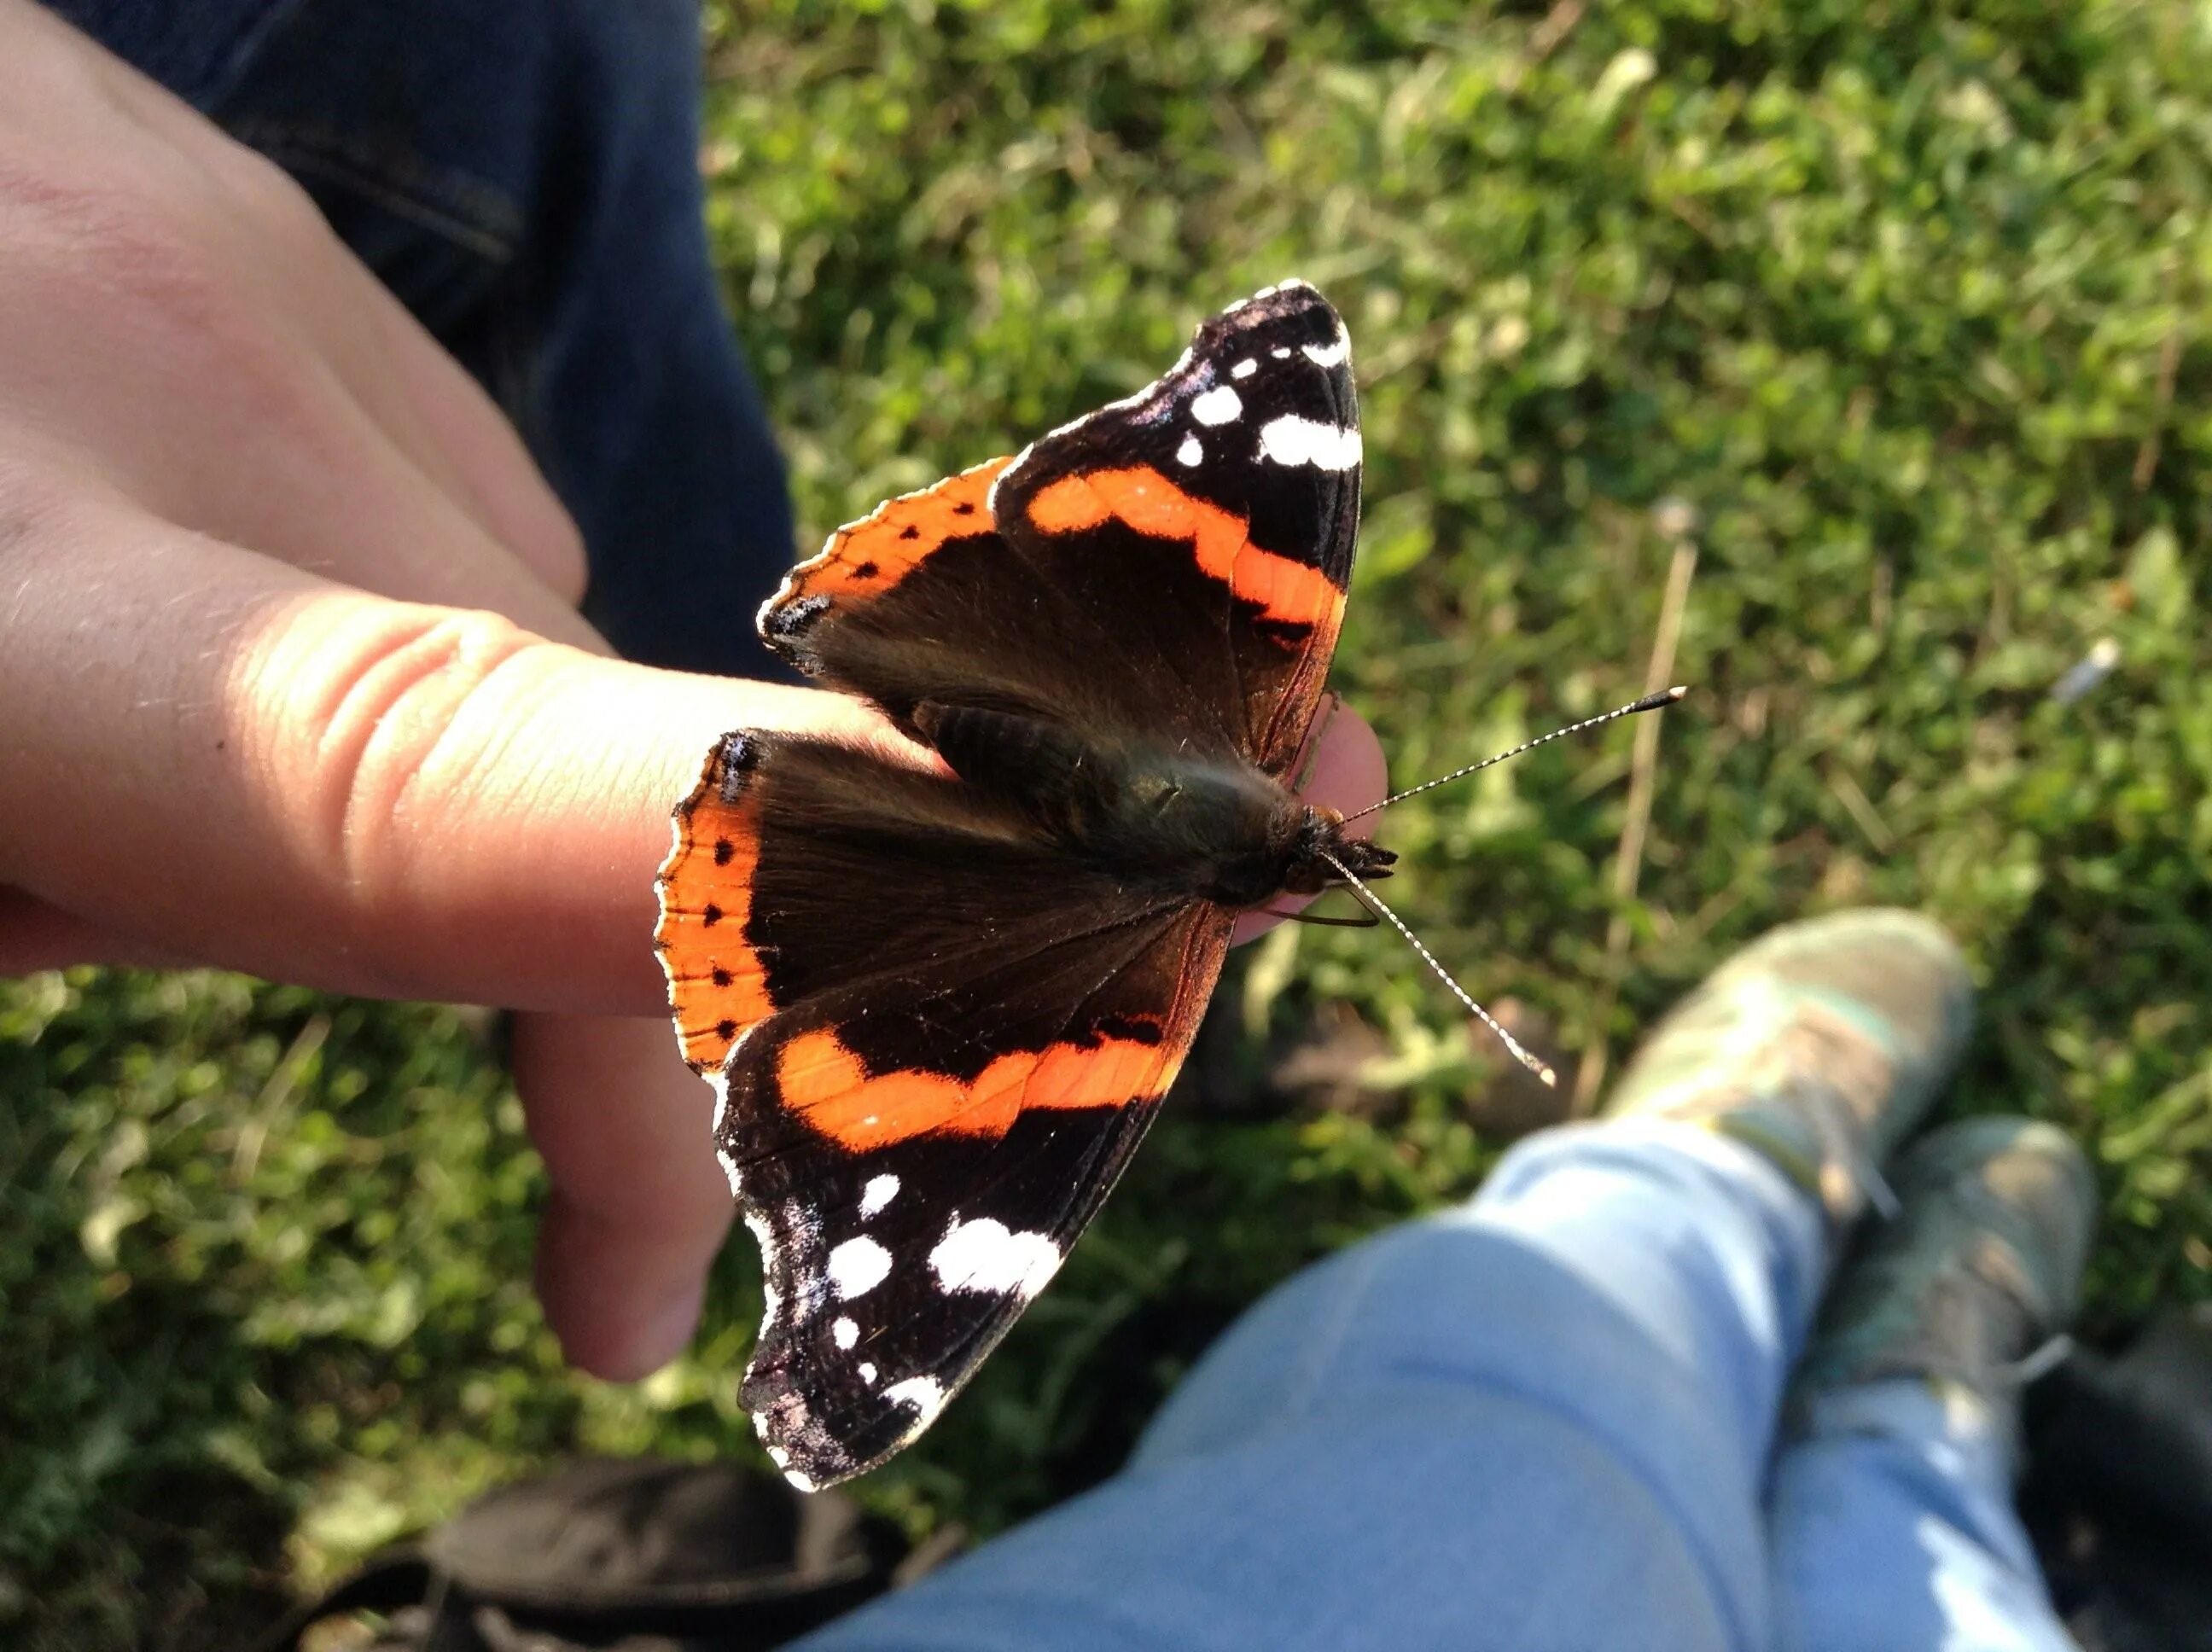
point(924, 1096)
point(802, 866)
point(907, 1218)
point(1220, 504)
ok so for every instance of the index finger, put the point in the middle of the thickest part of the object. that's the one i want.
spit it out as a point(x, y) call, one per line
point(257, 768)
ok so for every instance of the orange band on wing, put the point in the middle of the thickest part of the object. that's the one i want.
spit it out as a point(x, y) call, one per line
point(1293, 592)
point(827, 1086)
point(716, 983)
point(877, 551)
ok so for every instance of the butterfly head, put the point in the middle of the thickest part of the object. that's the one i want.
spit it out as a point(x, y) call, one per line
point(1322, 849)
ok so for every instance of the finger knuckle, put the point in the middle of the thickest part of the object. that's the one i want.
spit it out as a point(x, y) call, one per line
point(273, 202)
point(402, 738)
point(114, 260)
point(144, 254)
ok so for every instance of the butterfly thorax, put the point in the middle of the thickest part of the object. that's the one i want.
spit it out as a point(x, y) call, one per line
point(1204, 825)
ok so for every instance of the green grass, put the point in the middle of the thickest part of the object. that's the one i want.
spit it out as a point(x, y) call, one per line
point(1901, 311)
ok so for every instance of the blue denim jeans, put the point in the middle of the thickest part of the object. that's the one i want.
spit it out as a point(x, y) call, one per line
point(1545, 1420)
point(523, 175)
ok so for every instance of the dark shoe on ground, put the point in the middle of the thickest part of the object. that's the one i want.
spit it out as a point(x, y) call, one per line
point(1979, 1273)
point(2118, 1494)
point(631, 1553)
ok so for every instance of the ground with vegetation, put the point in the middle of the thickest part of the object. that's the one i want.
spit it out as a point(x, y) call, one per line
point(1876, 332)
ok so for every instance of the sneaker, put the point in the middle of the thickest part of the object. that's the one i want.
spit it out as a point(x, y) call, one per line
point(1979, 1274)
point(1819, 1046)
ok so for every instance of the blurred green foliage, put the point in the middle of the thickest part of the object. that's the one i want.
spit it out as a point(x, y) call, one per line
point(1895, 313)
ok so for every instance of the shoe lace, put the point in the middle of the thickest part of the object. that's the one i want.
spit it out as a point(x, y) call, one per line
point(1954, 1288)
point(2038, 1362)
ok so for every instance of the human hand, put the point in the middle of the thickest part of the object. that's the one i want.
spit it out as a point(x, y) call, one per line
point(291, 679)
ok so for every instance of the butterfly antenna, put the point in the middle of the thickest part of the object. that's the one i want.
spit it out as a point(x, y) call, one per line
point(1648, 702)
point(1373, 903)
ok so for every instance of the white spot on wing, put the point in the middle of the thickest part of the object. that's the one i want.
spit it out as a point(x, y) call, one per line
point(1219, 405)
point(1329, 355)
point(984, 1255)
point(858, 1266)
point(925, 1393)
point(1190, 452)
point(720, 1079)
point(1281, 352)
point(844, 1332)
point(1291, 439)
point(879, 1192)
point(789, 1415)
point(867, 1369)
point(1244, 369)
point(783, 1460)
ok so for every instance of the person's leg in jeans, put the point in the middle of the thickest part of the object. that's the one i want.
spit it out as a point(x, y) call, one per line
point(1894, 1523)
point(1541, 1421)
point(523, 174)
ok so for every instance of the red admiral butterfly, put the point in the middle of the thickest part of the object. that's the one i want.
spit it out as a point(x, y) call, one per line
point(940, 1011)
